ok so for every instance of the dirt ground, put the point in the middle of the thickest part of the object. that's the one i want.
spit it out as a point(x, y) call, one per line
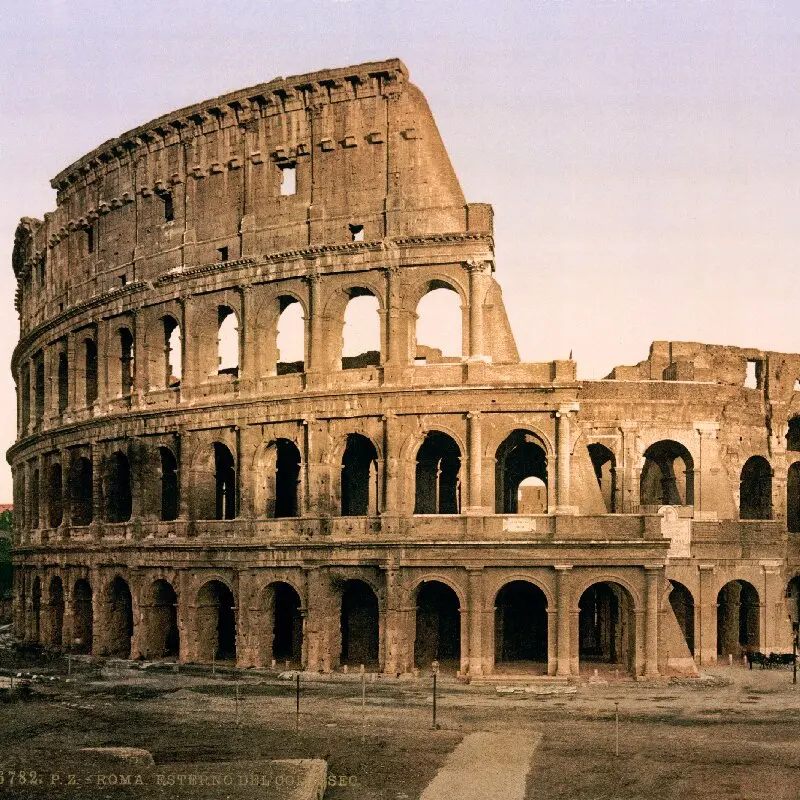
point(734, 733)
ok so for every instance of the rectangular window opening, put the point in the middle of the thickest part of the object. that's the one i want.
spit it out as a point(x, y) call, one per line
point(752, 379)
point(90, 240)
point(169, 207)
point(288, 179)
point(223, 253)
point(357, 233)
point(123, 280)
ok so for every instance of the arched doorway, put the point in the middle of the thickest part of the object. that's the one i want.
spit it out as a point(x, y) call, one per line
point(438, 626)
point(437, 485)
point(604, 465)
point(120, 619)
point(162, 635)
point(521, 475)
point(216, 622)
point(682, 604)
point(738, 619)
point(83, 618)
point(283, 624)
point(607, 627)
point(118, 496)
point(521, 628)
point(667, 475)
point(359, 477)
point(755, 489)
point(359, 624)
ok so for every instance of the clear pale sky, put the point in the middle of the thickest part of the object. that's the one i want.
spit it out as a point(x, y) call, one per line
point(642, 157)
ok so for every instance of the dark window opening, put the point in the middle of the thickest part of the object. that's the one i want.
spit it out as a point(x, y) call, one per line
point(438, 625)
point(25, 396)
point(793, 498)
point(169, 484)
point(438, 485)
point(35, 499)
point(118, 489)
point(287, 478)
point(607, 625)
point(56, 612)
point(359, 477)
point(63, 382)
point(225, 482)
point(126, 360)
point(55, 501)
point(161, 634)
point(123, 280)
point(755, 489)
point(287, 623)
point(169, 207)
point(738, 619)
point(793, 434)
point(603, 462)
point(667, 477)
point(90, 240)
point(359, 624)
point(82, 619)
point(521, 475)
point(223, 253)
point(38, 375)
point(520, 623)
point(119, 619)
point(80, 491)
point(357, 233)
point(216, 622)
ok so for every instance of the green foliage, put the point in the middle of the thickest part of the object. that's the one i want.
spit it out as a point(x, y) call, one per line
point(6, 521)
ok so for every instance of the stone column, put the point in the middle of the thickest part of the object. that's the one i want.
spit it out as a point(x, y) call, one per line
point(630, 466)
point(706, 431)
point(478, 278)
point(395, 646)
point(390, 465)
point(476, 602)
point(247, 338)
point(654, 577)
point(315, 355)
point(187, 618)
point(97, 485)
point(139, 388)
point(563, 445)
point(706, 617)
point(563, 599)
point(773, 606)
point(475, 486)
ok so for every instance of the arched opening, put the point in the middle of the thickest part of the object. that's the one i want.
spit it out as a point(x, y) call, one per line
point(359, 624)
point(793, 498)
point(793, 602)
point(224, 482)
point(119, 628)
point(169, 484)
point(34, 502)
point(682, 603)
point(216, 622)
point(90, 370)
point(359, 477)
point(738, 619)
point(438, 328)
point(607, 626)
point(520, 458)
point(118, 497)
point(290, 337)
point(63, 382)
point(56, 593)
point(25, 396)
point(438, 626)
point(55, 497)
point(80, 491)
point(604, 465)
point(83, 618)
point(36, 609)
point(38, 386)
point(227, 341)
point(520, 627)
point(793, 435)
point(162, 636)
point(667, 475)
point(173, 352)
point(755, 489)
point(126, 362)
point(438, 483)
point(284, 623)
point(287, 478)
point(361, 334)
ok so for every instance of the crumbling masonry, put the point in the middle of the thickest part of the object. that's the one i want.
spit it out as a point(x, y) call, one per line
point(175, 499)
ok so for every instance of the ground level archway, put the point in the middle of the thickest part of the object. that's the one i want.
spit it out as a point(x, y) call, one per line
point(521, 628)
point(359, 624)
point(607, 627)
point(437, 634)
point(216, 622)
point(738, 619)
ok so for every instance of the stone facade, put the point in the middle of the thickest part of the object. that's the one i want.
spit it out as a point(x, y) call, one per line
point(386, 509)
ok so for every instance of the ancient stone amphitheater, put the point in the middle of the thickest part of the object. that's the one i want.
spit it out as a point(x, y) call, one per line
point(182, 497)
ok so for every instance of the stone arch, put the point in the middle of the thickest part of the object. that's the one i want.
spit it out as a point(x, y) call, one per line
point(755, 489)
point(738, 618)
point(439, 577)
point(581, 585)
point(358, 477)
point(359, 623)
point(518, 457)
point(228, 341)
point(169, 483)
point(216, 621)
point(82, 617)
point(607, 625)
point(437, 629)
point(667, 477)
point(161, 632)
point(118, 624)
point(164, 351)
point(437, 485)
point(282, 623)
point(521, 626)
point(55, 496)
point(213, 482)
point(497, 435)
point(120, 361)
point(433, 349)
point(681, 602)
point(278, 469)
point(336, 312)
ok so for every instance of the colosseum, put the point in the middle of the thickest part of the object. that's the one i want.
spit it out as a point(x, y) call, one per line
point(187, 488)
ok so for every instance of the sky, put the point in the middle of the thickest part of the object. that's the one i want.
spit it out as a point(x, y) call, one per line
point(640, 155)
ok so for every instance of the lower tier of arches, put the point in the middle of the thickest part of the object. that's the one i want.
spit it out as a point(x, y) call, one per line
point(563, 620)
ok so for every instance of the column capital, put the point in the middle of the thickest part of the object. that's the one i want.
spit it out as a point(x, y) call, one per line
point(706, 567)
point(478, 265)
point(566, 409)
point(706, 429)
point(562, 567)
point(473, 414)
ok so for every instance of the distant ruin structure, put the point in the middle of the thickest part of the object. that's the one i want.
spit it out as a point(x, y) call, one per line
point(186, 487)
